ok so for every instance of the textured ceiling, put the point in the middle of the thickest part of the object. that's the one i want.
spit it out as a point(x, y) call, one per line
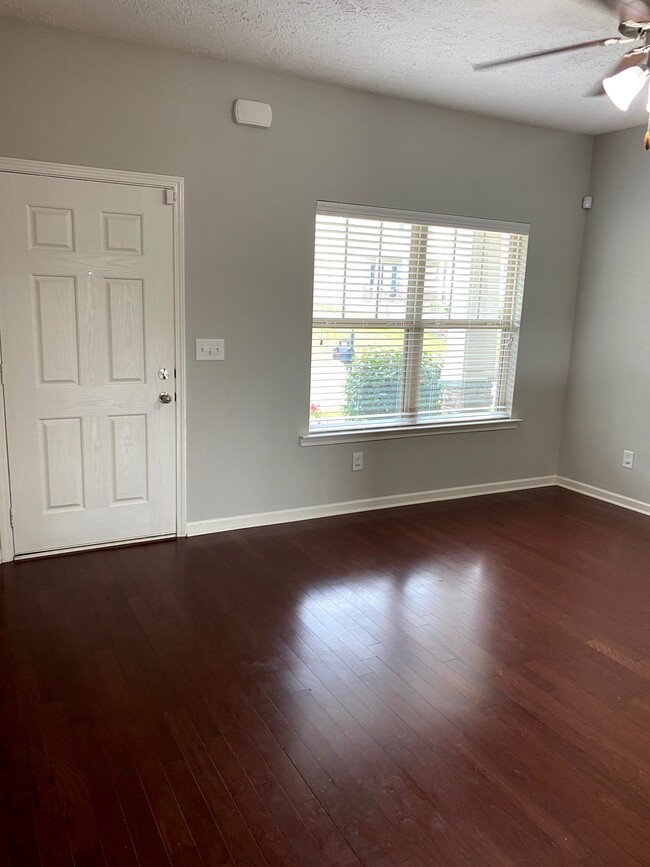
point(419, 49)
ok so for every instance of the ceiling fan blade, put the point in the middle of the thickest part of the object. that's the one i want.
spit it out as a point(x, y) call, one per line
point(624, 63)
point(490, 64)
point(629, 10)
point(633, 10)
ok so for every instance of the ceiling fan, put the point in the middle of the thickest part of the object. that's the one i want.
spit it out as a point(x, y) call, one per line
point(628, 77)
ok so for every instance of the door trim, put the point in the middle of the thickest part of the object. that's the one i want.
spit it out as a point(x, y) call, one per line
point(139, 179)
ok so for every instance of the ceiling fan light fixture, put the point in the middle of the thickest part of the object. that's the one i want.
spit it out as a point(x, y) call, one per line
point(623, 87)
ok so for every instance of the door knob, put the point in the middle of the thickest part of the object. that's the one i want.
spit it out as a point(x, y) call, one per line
point(165, 397)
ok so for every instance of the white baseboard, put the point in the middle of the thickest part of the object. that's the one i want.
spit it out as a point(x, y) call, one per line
point(283, 516)
point(606, 496)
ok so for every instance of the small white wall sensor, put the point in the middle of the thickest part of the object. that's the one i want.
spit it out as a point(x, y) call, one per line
point(587, 203)
point(252, 113)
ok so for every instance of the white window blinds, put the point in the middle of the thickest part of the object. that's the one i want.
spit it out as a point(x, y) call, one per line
point(415, 318)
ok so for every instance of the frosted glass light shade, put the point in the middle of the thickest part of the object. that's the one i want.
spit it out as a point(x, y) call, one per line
point(624, 86)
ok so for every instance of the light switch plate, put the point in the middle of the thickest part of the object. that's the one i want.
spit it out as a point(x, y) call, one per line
point(210, 349)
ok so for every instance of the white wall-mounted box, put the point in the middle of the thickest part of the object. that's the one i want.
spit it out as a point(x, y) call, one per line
point(250, 113)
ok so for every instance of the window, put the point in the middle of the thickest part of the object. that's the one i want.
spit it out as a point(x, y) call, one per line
point(415, 318)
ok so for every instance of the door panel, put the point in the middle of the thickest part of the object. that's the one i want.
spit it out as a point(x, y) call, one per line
point(86, 321)
point(129, 448)
point(55, 330)
point(62, 463)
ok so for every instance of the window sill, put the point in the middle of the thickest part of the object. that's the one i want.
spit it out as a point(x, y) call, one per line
point(420, 430)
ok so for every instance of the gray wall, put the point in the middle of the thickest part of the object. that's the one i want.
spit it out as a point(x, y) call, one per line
point(251, 196)
point(608, 405)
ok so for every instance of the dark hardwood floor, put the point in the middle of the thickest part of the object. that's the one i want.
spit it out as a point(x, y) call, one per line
point(463, 683)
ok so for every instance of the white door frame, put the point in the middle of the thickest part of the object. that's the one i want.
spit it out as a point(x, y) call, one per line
point(112, 176)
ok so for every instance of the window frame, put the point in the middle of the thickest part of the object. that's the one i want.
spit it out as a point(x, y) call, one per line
point(415, 325)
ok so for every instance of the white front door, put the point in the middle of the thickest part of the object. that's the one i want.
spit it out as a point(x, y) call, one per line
point(86, 324)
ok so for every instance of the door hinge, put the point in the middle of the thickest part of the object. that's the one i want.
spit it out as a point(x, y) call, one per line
point(170, 196)
point(11, 517)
